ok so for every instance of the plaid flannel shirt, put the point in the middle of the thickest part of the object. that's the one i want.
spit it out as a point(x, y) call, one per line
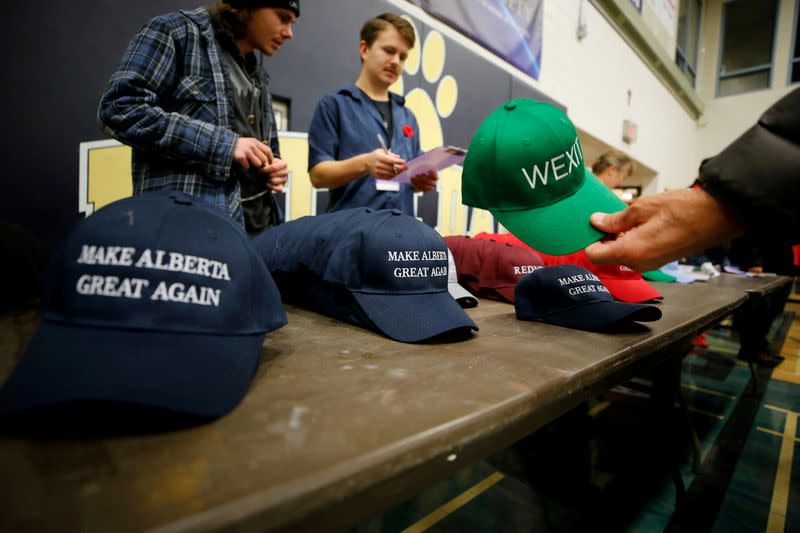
point(169, 101)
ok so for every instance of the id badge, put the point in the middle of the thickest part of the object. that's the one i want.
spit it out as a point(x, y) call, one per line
point(387, 185)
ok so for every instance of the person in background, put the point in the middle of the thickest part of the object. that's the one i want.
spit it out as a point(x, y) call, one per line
point(612, 168)
point(751, 186)
point(192, 100)
point(361, 135)
point(754, 319)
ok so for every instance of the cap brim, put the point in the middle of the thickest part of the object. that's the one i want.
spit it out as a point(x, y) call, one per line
point(506, 292)
point(657, 275)
point(563, 227)
point(630, 290)
point(200, 375)
point(414, 317)
point(461, 295)
point(599, 315)
point(680, 277)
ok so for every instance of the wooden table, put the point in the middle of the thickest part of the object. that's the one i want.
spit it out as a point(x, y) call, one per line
point(339, 423)
point(757, 285)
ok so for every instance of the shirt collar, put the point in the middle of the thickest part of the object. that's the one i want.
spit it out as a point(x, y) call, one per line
point(357, 94)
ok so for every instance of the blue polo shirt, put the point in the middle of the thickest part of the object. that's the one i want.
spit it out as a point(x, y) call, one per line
point(346, 123)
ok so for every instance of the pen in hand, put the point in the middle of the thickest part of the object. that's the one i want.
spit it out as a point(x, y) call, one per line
point(385, 149)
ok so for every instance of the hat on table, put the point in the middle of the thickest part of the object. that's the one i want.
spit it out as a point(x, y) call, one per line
point(669, 273)
point(525, 165)
point(491, 269)
point(624, 283)
point(156, 301)
point(573, 297)
point(674, 270)
point(382, 270)
point(659, 276)
point(464, 298)
point(505, 238)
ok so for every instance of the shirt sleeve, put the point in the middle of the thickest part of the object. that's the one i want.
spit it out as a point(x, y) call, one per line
point(323, 134)
point(131, 108)
point(758, 174)
point(417, 150)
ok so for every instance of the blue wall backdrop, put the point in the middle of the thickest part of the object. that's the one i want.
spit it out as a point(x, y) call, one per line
point(61, 54)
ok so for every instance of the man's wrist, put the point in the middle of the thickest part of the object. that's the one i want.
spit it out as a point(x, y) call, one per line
point(363, 166)
point(727, 222)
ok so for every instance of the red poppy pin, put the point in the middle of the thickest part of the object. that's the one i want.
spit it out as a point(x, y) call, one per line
point(408, 130)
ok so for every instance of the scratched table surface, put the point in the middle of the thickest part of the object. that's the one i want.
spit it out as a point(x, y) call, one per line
point(339, 423)
point(755, 285)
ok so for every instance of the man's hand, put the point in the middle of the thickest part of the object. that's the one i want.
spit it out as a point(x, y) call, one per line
point(249, 151)
point(384, 165)
point(425, 182)
point(655, 230)
point(277, 174)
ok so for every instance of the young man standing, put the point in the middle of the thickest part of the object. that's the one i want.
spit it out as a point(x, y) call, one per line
point(362, 135)
point(193, 102)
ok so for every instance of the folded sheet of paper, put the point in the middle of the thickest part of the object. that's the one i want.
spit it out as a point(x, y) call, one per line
point(436, 159)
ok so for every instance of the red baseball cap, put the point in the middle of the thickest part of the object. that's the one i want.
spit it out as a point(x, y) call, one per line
point(506, 238)
point(624, 283)
point(491, 269)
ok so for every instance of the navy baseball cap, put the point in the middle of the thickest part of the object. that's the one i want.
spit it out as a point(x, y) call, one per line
point(382, 270)
point(155, 301)
point(294, 246)
point(573, 297)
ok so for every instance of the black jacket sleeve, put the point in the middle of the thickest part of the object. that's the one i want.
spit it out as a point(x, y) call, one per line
point(758, 174)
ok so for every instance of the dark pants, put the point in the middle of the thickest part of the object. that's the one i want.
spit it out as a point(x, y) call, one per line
point(753, 320)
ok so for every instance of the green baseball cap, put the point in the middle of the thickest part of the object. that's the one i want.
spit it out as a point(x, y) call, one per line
point(658, 275)
point(525, 165)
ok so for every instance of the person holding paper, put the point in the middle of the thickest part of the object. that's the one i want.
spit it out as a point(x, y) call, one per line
point(362, 135)
point(165, 100)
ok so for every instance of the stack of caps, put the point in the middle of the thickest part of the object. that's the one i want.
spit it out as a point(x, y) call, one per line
point(624, 283)
point(573, 297)
point(158, 301)
point(525, 165)
point(491, 269)
point(381, 270)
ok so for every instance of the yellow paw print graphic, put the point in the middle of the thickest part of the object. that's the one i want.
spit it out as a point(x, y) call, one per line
point(431, 60)
point(429, 56)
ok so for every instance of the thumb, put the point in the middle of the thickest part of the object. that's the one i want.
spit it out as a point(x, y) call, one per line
point(613, 222)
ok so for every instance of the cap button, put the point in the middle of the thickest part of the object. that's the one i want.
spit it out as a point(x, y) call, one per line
point(510, 105)
point(396, 212)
